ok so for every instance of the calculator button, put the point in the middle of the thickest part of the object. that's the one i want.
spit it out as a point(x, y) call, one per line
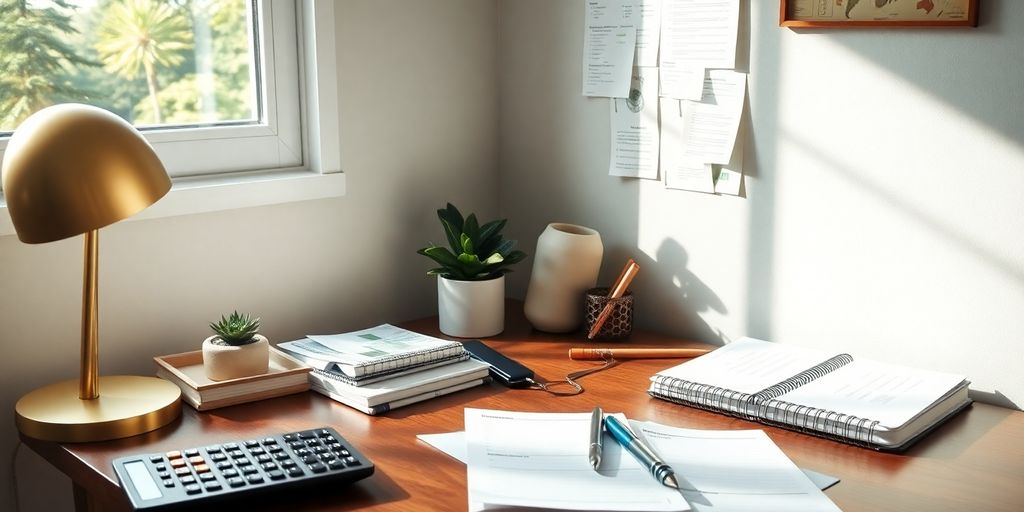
point(248, 470)
point(156, 459)
point(193, 489)
point(307, 434)
point(254, 479)
point(230, 446)
point(297, 445)
point(336, 446)
point(312, 443)
point(206, 477)
point(163, 474)
point(236, 481)
point(326, 457)
point(213, 486)
point(201, 468)
point(317, 467)
point(168, 483)
point(229, 473)
point(302, 452)
point(281, 456)
point(288, 464)
point(223, 466)
point(336, 464)
point(267, 466)
point(174, 454)
point(310, 459)
point(217, 457)
point(160, 467)
point(290, 437)
point(213, 449)
point(251, 443)
point(276, 474)
point(191, 452)
point(351, 461)
point(295, 471)
point(195, 459)
point(324, 432)
point(275, 448)
point(185, 480)
point(269, 441)
point(236, 454)
point(182, 471)
point(178, 463)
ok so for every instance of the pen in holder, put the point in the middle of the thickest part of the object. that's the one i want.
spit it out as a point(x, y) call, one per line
point(619, 323)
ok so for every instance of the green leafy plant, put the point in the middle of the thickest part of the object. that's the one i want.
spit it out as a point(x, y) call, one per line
point(478, 253)
point(236, 329)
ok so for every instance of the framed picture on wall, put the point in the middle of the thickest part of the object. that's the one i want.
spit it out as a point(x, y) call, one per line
point(877, 13)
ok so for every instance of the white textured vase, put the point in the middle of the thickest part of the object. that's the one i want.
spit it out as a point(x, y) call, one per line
point(471, 309)
point(224, 362)
point(565, 266)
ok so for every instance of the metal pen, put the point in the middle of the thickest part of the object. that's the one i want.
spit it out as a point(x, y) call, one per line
point(596, 421)
point(659, 470)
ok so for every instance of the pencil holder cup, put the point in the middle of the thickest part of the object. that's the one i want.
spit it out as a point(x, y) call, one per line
point(619, 324)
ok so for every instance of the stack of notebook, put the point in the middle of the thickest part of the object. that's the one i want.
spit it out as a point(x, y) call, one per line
point(378, 369)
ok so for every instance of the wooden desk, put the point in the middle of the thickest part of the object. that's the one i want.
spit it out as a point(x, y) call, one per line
point(974, 462)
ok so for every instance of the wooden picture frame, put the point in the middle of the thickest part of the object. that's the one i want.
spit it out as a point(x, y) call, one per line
point(877, 13)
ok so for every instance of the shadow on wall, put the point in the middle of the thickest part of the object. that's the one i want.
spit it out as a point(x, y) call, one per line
point(677, 308)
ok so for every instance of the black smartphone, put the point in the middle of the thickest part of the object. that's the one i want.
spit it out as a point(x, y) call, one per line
point(504, 370)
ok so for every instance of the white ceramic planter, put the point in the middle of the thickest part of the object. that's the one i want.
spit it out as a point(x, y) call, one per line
point(565, 266)
point(223, 362)
point(471, 309)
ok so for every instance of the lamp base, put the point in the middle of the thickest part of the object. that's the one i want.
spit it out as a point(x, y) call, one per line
point(127, 405)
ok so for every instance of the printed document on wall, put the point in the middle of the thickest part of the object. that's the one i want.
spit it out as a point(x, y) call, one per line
point(710, 126)
point(680, 173)
point(609, 44)
point(729, 179)
point(648, 34)
point(634, 125)
point(695, 35)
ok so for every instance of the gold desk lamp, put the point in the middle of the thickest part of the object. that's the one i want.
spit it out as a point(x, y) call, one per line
point(72, 169)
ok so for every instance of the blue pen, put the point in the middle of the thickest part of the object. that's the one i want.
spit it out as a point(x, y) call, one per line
point(659, 470)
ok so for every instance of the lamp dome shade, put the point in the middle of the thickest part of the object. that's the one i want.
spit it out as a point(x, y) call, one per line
point(72, 168)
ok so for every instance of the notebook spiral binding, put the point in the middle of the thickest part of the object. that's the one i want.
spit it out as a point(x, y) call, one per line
point(764, 407)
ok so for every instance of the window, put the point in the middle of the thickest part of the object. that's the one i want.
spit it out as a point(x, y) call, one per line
point(212, 84)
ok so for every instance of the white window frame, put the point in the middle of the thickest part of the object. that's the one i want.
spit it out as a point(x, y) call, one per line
point(290, 155)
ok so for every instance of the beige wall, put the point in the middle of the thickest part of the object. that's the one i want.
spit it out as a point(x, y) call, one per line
point(418, 105)
point(883, 213)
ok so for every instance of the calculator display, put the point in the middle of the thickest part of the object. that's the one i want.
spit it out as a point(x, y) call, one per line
point(142, 480)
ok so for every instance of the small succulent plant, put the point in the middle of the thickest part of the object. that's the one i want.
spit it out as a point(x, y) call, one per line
point(236, 329)
point(478, 253)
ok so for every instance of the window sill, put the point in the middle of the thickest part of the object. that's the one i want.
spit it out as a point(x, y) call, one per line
point(203, 194)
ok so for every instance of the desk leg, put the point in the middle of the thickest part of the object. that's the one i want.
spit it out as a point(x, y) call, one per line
point(83, 502)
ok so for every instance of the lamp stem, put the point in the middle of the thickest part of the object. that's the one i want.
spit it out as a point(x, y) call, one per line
point(88, 384)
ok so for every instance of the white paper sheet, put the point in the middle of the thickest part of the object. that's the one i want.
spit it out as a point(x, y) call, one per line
point(540, 460)
point(733, 470)
point(709, 127)
point(609, 44)
point(634, 128)
point(454, 445)
point(648, 34)
point(729, 179)
point(680, 173)
point(699, 33)
point(684, 82)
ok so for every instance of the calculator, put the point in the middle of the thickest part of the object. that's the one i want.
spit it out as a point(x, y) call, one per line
point(190, 477)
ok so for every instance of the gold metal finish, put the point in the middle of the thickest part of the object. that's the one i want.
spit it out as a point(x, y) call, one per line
point(70, 169)
point(89, 365)
point(128, 406)
point(73, 169)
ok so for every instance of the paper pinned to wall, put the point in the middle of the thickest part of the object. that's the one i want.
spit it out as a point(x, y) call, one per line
point(710, 126)
point(682, 82)
point(699, 33)
point(609, 44)
point(679, 172)
point(729, 179)
point(634, 128)
point(648, 34)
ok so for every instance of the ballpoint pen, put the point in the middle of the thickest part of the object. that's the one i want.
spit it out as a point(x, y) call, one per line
point(659, 470)
point(596, 421)
point(633, 353)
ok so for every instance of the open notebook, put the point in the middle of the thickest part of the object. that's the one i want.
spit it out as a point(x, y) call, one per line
point(863, 402)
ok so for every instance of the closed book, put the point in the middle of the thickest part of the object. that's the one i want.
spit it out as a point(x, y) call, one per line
point(859, 401)
point(377, 377)
point(374, 351)
point(403, 386)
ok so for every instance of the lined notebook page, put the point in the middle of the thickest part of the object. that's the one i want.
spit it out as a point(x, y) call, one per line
point(889, 394)
point(748, 365)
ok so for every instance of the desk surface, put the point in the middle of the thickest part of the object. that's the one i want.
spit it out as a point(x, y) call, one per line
point(973, 462)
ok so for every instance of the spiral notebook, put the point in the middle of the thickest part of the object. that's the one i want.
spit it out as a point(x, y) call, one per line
point(384, 349)
point(859, 401)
